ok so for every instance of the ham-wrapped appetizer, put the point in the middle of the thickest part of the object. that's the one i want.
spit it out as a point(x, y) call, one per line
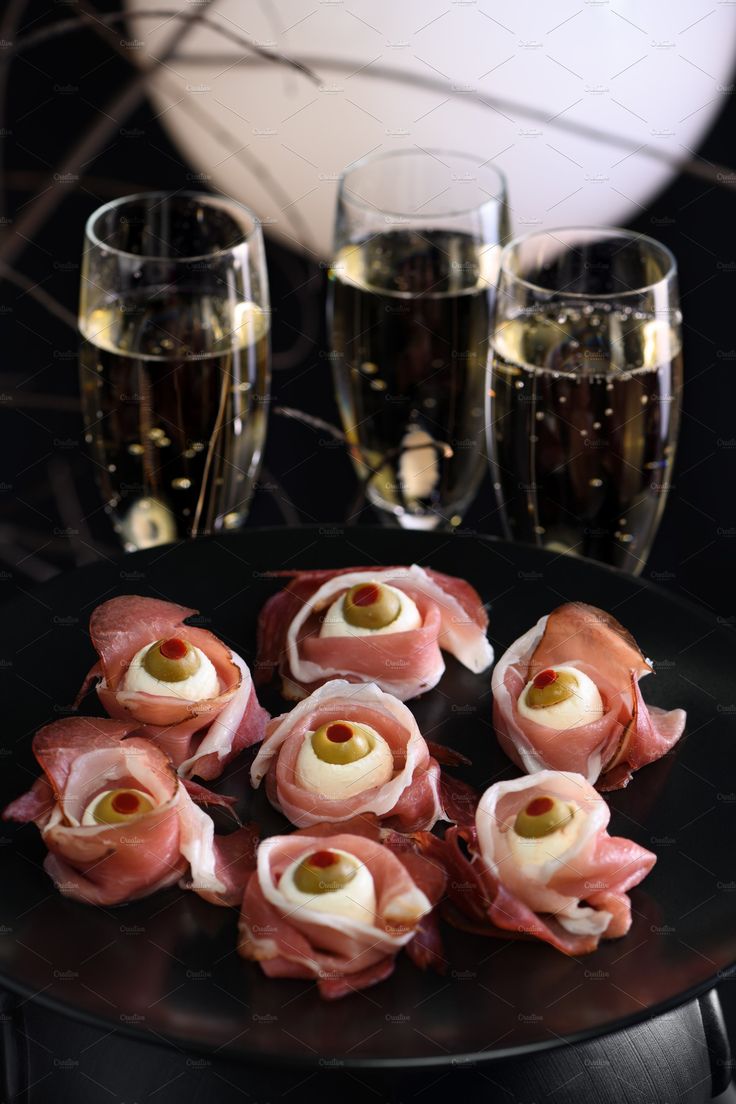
point(337, 908)
point(541, 864)
point(120, 824)
point(566, 696)
point(348, 750)
point(385, 625)
point(184, 688)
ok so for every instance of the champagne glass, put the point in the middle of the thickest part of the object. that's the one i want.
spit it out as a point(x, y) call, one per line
point(585, 391)
point(174, 362)
point(411, 291)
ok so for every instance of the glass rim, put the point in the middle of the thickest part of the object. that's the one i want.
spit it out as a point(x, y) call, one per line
point(417, 151)
point(209, 198)
point(605, 231)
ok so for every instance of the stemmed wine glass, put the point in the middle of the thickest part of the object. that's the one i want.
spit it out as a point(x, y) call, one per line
point(174, 362)
point(417, 242)
point(585, 391)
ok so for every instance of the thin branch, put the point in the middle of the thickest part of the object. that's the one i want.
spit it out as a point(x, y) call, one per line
point(28, 180)
point(39, 400)
point(284, 502)
point(73, 520)
point(443, 449)
point(211, 123)
point(722, 176)
point(308, 293)
point(311, 421)
point(8, 29)
point(53, 306)
point(260, 171)
point(123, 104)
point(72, 24)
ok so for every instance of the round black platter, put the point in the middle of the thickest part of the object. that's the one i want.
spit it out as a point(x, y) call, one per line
point(166, 967)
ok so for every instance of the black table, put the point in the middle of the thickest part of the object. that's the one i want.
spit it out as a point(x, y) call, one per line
point(675, 1053)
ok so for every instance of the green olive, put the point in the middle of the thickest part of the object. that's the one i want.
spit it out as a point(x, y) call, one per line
point(542, 816)
point(340, 742)
point(324, 872)
point(550, 687)
point(370, 606)
point(120, 805)
point(171, 660)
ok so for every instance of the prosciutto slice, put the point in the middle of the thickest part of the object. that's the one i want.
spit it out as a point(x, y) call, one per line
point(109, 864)
point(341, 954)
point(411, 800)
point(199, 737)
point(404, 664)
point(571, 900)
point(608, 750)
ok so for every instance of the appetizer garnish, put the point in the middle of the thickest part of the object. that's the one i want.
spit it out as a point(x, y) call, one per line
point(341, 742)
point(342, 758)
point(323, 872)
point(117, 807)
point(172, 669)
point(135, 837)
point(561, 698)
point(331, 881)
point(566, 696)
point(338, 908)
point(386, 626)
point(540, 863)
point(182, 686)
point(347, 750)
point(371, 608)
point(172, 660)
point(542, 816)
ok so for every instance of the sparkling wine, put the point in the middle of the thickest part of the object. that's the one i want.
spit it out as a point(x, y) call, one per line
point(410, 320)
point(583, 414)
point(174, 393)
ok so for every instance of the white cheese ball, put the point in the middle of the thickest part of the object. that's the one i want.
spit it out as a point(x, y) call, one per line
point(203, 684)
point(356, 900)
point(535, 852)
point(336, 780)
point(409, 618)
point(582, 707)
point(88, 816)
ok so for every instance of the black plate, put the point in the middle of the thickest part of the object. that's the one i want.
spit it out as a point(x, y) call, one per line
point(167, 966)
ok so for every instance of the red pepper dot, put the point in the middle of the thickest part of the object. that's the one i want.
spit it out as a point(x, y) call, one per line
point(175, 648)
point(125, 803)
point(538, 806)
point(366, 595)
point(339, 733)
point(322, 859)
point(545, 678)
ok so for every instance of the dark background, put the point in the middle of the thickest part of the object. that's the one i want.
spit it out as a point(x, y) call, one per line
point(51, 517)
point(51, 513)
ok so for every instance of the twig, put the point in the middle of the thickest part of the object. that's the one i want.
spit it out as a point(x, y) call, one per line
point(38, 400)
point(211, 123)
point(285, 505)
point(61, 480)
point(69, 26)
point(311, 421)
point(311, 311)
point(86, 149)
point(28, 180)
point(53, 306)
point(722, 176)
point(8, 28)
point(442, 449)
point(357, 503)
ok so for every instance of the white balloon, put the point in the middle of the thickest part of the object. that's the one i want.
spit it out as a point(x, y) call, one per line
point(652, 73)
